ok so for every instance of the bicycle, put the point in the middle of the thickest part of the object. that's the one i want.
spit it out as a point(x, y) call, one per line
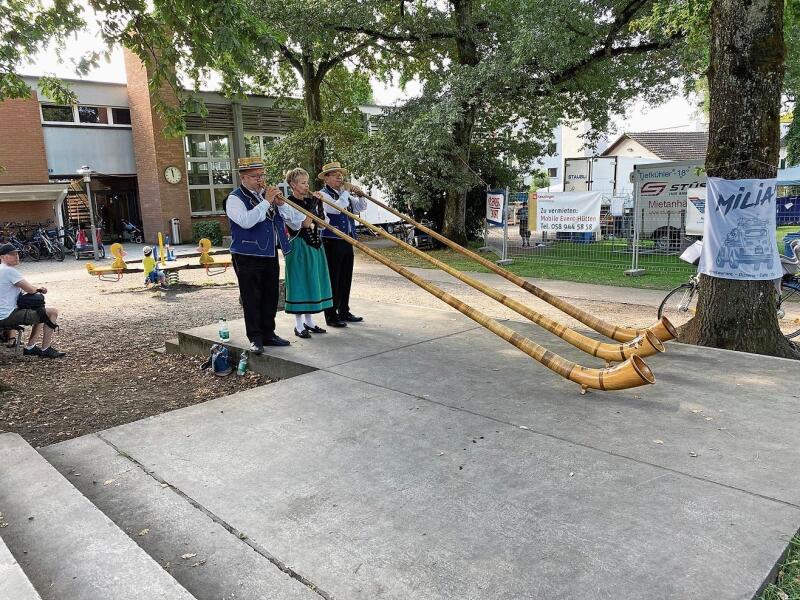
point(52, 248)
point(24, 247)
point(680, 304)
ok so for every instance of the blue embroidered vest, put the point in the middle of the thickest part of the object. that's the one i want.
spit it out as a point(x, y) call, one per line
point(341, 221)
point(259, 240)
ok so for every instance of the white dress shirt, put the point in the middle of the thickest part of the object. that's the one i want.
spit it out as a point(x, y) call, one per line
point(238, 213)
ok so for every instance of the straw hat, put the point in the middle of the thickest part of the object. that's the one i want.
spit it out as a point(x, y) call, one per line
point(330, 167)
point(250, 162)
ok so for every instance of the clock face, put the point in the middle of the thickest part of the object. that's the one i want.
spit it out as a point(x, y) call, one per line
point(172, 174)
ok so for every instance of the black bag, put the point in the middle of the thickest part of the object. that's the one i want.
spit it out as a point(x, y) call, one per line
point(35, 301)
point(30, 301)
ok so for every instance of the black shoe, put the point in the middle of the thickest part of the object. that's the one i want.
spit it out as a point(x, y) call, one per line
point(275, 340)
point(315, 329)
point(35, 351)
point(303, 334)
point(256, 348)
point(336, 323)
point(51, 353)
point(351, 318)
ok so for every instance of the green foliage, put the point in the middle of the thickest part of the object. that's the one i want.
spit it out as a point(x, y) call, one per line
point(29, 27)
point(539, 179)
point(210, 229)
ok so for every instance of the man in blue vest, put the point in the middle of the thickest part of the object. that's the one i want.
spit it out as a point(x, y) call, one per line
point(338, 252)
point(257, 229)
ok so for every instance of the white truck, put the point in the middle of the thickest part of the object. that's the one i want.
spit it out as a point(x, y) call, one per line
point(659, 193)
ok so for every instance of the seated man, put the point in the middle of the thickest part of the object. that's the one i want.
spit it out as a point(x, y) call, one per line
point(11, 284)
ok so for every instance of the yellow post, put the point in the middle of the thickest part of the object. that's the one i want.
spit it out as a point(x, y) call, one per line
point(161, 249)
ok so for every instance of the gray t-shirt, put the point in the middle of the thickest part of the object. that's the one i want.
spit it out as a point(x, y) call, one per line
point(9, 291)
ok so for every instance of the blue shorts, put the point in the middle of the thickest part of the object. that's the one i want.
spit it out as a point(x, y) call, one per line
point(153, 277)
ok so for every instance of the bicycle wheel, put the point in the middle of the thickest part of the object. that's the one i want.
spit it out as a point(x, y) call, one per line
point(790, 290)
point(680, 305)
point(58, 252)
point(31, 251)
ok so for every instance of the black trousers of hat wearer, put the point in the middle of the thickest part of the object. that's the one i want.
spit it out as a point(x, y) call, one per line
point(340, 267)
point(258, 288)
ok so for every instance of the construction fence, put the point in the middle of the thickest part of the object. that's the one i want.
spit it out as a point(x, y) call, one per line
point(629, 238)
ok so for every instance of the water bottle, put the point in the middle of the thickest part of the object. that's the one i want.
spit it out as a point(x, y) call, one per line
point(224, 332)
point(242, 364)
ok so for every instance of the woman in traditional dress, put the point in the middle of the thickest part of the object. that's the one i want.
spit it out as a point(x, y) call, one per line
point(308, 284)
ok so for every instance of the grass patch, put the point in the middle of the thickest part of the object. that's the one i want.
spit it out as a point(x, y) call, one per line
point(551, 264)
point(787, 587)
point(603, 262)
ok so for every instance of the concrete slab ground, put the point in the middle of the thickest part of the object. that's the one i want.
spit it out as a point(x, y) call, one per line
point(65, 545)
point(14, 585)
point(452, 466)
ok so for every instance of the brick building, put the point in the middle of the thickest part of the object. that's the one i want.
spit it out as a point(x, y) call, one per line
point(139, 174)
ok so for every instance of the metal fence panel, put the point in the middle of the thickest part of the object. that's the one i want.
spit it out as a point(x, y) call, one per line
point(628, 238)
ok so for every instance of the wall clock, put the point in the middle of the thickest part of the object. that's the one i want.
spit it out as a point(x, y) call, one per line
point(172, 174)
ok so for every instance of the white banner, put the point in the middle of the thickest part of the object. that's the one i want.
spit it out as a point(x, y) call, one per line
point(695, 211)
point(740, 230)
point(568, 211)
point(495, 203)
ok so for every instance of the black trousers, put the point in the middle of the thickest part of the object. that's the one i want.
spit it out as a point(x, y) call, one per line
point(258, 287)
point(340, 267)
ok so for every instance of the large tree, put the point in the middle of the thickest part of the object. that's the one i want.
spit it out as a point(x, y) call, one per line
point(520, 66)
point(745, 77)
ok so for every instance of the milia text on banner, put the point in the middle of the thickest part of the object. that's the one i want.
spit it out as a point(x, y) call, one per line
point(739, 233)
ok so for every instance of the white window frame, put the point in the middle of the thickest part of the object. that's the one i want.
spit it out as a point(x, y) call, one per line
point(275, 136)
point(209, 160)
point(76, 119)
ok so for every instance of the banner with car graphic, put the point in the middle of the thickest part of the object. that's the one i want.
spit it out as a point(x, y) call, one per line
point(739, 233)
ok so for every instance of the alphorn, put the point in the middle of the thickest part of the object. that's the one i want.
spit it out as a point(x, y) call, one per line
point(645, 344)
point(633, 372)
point(663, 329)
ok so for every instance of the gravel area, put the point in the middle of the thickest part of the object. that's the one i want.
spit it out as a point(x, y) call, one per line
point(112, 373)
point(110, 331)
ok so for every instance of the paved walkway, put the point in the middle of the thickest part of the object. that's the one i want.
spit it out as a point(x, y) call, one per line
point(425, 458)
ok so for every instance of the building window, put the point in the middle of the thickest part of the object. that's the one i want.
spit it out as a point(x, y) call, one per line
point(552, 172)
point(783, 164)
point(210, 171)
point(93, 114)
point(258, 145)
point(121, 116)
point(57, 113)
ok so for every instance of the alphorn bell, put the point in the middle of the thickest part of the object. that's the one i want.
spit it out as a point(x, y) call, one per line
point(633, 372)
point(663, 329)
point(645, 344)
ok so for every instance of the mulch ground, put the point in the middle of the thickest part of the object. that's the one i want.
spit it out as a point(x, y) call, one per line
point(112, 374)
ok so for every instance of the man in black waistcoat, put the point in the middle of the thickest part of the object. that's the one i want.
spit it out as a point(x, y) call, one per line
point(338, 252)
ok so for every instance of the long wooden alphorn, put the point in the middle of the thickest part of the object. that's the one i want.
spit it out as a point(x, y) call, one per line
point(633, 372)
point(645, 344)
point(663, 329)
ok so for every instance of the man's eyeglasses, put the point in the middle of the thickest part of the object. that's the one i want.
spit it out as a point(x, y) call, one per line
point(260, 176)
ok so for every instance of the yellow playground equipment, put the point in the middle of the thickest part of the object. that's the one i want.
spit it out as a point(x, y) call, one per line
point(119, 268)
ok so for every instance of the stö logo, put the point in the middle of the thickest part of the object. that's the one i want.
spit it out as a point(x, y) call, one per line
point(653, 188)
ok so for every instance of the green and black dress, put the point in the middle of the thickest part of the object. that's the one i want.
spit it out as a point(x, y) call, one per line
point(308, 285)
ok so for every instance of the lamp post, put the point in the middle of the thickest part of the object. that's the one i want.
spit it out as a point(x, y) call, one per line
point(87, 177)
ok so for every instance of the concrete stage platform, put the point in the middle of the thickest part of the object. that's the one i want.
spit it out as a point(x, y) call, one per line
point(419, 456)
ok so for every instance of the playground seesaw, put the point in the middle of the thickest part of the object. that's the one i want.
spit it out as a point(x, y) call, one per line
point(213, 265)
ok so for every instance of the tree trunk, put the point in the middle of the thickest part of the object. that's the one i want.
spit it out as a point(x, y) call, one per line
point(455, 209)
point(312, 98)
point(745, 79)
